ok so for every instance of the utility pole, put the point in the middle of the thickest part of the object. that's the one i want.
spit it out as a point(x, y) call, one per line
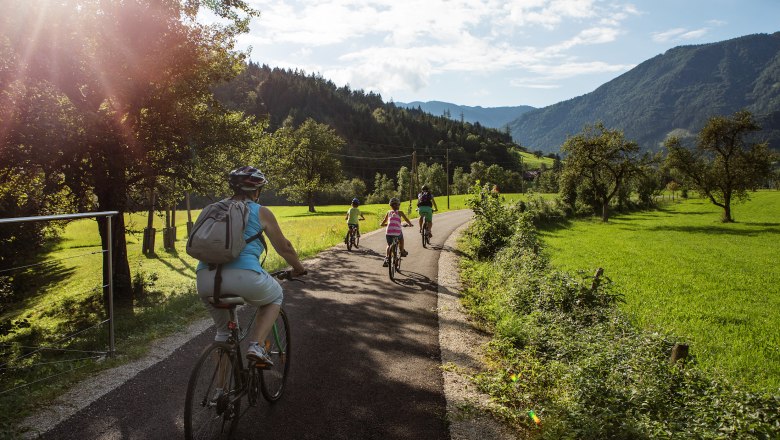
point(412, 175)
point(447, 173)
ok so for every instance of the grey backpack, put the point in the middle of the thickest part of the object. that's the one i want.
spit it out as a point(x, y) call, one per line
point(217, 236)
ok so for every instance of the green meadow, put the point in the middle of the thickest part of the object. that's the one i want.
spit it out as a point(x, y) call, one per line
point(534, 163)
point(714, 286)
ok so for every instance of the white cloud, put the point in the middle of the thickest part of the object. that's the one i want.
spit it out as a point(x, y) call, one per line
point(392, 46)
point(679, 34)
point(571, 69)
point(692, 35)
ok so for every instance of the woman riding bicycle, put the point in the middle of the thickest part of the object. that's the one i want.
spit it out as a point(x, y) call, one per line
point(425, 206)
point(245, 276)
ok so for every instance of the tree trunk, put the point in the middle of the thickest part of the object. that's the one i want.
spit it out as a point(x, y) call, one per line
point(122, 278)
point(604, 210)
point(310, 199)
point(727, 208)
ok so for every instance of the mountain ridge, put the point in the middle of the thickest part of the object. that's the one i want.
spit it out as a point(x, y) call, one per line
point(493, 117)
point(671, 93)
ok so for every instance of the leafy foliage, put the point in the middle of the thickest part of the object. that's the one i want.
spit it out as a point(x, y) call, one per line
point(301, 160)
point(723, 167)
point(562, 348)
point(602, 161)
point(372, 129)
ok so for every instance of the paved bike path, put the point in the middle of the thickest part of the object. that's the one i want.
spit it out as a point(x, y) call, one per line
point(365, 358)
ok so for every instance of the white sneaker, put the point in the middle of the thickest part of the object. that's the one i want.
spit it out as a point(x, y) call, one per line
point(257, 354)
point(215, 398)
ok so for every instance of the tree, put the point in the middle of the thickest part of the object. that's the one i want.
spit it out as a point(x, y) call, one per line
point(404, 178)
point(723, 166)
point(603, 161)
point(301, 160)
point(384, 189)
point(461, 181)
point(136, 79)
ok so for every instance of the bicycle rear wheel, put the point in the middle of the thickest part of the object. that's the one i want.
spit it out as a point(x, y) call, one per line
point(424, 232)
point(350, 239)
point(213, 404)
point(277, 346)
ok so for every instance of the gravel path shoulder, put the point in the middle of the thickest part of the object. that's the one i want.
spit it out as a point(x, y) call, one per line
point(461, 348)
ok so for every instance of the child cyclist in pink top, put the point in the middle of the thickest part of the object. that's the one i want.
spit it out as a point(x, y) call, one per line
point(393, 221)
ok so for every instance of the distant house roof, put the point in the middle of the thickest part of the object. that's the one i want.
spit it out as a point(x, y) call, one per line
point(531, 175)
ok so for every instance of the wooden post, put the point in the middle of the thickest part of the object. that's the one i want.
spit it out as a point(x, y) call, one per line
point(173, 221)
point(679, 351)
point(412, 174)
point(596, 279)
point(189, 213)
point(147, 246)
point(447, 172)
point(167, 242)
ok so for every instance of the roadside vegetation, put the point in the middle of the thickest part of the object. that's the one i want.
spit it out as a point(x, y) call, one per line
point(564, 348)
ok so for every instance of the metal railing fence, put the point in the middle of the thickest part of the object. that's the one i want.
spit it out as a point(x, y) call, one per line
point(109, 285)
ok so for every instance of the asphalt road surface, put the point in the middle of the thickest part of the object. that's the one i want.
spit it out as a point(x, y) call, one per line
point(365, 360)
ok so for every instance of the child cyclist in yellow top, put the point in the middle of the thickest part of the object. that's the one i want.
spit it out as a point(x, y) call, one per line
point(393, 222)
point(353, 215)
point(425, 206)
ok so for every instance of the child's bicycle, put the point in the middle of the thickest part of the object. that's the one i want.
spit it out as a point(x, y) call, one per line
point(352, 237)
point(222, 377)
point(394, 263)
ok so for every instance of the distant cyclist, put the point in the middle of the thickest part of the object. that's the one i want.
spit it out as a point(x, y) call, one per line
point(426, 205)
point(393, 222)
point(353, 215)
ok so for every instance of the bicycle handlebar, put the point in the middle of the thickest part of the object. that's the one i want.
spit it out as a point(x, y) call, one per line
point(286, 274)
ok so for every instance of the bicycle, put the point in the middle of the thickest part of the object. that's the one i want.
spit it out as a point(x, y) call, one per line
point(220, 379)
point(352, 238)
point(425, 231)
point(426, 239)
point(394, 263)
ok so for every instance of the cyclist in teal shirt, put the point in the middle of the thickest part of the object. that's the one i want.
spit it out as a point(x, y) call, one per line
point(245, 276)
point(425, 206)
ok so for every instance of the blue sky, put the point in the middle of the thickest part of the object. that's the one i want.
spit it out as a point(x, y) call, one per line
point(487, 52)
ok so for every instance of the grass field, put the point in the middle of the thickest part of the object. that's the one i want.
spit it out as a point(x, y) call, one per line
point(714, 285)
point(534, 163)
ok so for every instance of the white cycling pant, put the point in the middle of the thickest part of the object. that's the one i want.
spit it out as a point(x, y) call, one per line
point(257, 288)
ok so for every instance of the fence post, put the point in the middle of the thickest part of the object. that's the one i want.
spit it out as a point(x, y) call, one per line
point(679, 351)
point(111, 346)
point(596, 279)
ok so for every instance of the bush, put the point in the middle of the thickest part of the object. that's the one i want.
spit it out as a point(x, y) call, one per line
point(562, 348)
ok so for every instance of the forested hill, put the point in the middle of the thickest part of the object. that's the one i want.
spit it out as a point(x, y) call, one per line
point(371, 127)
point(495, 117)
point(672, 93)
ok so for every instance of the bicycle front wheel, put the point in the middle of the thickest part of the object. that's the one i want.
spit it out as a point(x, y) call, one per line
point(213, 403)
point(391, 264)
point(278, 346)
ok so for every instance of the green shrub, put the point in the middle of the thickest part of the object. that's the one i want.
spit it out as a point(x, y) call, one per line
point(562, 348)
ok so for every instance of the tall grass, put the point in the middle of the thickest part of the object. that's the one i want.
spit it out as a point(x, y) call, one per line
point(715, 285)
